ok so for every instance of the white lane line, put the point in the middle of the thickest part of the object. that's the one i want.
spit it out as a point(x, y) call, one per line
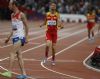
point(51, 77)
point(59, 61)
point(34, 43)
point(6, 46)
point(72, 34)
point(90, 67)
point(30, 33)
point(74, 44)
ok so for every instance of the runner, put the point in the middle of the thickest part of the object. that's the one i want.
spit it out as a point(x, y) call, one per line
point(19, 38)
point(52, 23)
point(98, 21)
point(90, 23)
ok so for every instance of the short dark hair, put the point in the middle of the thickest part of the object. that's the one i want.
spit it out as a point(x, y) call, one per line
point(15, 3)
point(52, 2)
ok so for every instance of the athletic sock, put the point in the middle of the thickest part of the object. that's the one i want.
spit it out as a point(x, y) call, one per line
point(46, 51)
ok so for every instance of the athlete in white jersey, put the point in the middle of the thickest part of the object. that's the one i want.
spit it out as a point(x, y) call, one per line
point(19, 38)
point(17, 25)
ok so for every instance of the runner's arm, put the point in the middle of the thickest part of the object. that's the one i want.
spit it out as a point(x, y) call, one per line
point(59, 22)
point(26, 26)
point(7, 40)
point(44, 23)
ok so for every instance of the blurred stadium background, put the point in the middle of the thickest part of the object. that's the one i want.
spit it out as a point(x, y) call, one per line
point(35, 9)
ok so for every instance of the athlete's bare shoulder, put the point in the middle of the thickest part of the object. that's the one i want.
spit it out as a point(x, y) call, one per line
point(57, 13)
point(22, 15)
point(12, 14)
point(48, 13)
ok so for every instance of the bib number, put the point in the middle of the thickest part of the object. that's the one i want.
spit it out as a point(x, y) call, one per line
point(51, 23)
point(91, 20)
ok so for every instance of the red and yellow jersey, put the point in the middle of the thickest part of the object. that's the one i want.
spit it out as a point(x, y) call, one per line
point(52, 21)
point(91, 17)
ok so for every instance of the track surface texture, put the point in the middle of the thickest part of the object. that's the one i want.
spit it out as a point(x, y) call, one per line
point(73, 48)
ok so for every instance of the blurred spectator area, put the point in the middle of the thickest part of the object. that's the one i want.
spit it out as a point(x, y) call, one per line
point(37, 8)
point(4, 11)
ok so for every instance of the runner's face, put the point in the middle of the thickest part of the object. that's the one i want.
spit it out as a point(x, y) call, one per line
point(10, 6)
point(53, 6)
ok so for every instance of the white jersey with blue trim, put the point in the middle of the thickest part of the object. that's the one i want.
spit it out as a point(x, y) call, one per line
point(17, 26)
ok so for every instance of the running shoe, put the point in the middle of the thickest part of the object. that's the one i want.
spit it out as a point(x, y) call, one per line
point(7, 74)
point(53, 63)
point(22, 77)
point(44, 60)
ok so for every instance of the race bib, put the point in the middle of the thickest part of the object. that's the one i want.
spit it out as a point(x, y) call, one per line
point(92, 20)
point(51, 23)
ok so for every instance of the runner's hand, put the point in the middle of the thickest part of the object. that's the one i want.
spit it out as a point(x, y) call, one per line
point(6, 41)
point(61, 27)
point(26, 40)
point(40, 25)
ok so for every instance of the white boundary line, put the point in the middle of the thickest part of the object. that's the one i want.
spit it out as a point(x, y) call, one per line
point(80, 31)
point(60, 61)
point(90, 67)
point(60, 53)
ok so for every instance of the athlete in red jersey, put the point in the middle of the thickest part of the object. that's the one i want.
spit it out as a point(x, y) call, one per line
point(52, 23)
point(98, 21)
point(91, 23)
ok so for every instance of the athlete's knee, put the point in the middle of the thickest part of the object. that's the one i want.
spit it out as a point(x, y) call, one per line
point(12, 55)
point(19, 54)
point(48, 43)
point(53, 45)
